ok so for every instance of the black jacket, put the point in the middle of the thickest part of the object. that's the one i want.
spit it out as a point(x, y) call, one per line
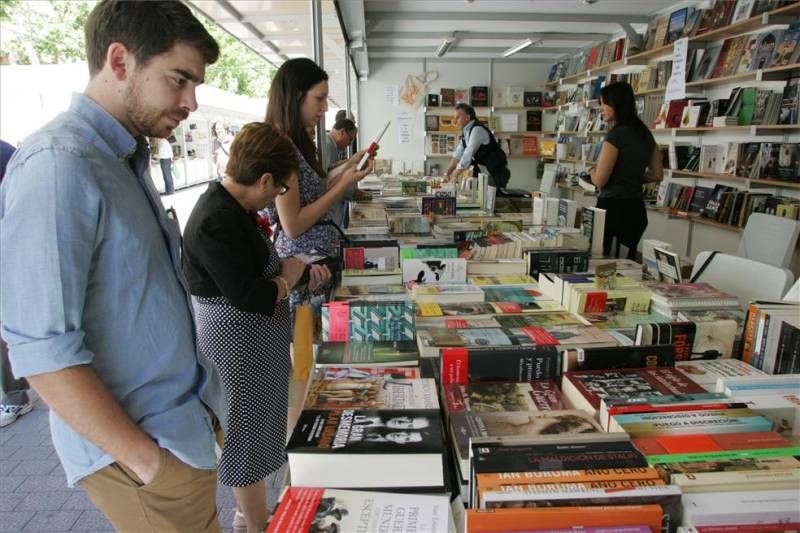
point(224, 253)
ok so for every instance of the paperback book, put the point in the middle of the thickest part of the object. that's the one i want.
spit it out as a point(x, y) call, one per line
point(367, 448)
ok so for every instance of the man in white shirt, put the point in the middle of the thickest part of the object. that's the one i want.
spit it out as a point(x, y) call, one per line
point(477, 147)
point(165, 159)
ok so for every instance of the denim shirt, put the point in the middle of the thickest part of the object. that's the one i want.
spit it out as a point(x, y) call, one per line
point(90, 274)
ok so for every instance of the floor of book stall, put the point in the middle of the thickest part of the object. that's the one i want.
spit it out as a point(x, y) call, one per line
point(34, 495)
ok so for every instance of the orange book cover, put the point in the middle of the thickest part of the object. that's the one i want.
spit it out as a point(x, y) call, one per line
point(677, 444)
point(525, 519)
point(565, 476)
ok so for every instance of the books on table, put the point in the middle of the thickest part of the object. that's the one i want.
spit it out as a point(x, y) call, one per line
point(307, 510)
point(367, 449)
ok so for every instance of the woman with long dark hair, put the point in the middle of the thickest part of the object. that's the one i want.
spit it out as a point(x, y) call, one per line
point(628, 159)
point(298, 98)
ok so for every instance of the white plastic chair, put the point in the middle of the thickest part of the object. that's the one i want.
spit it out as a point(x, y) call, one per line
point(744, 278)
point(769, 239)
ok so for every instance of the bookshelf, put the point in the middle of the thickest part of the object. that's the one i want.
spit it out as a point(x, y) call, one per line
point(499, 134)
point(776, 16)
point(690, 235)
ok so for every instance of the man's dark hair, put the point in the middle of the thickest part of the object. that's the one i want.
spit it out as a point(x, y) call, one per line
point(345, 124)
point(147, 29)
point(468, 109)
point(342, 113)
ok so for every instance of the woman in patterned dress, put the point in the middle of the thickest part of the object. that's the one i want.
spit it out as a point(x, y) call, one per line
point(298, 98)
point(239, 288)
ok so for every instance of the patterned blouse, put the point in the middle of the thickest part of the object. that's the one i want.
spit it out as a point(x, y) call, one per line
point(320, 235)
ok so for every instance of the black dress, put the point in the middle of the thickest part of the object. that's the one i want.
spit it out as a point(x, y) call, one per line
point(242, 330)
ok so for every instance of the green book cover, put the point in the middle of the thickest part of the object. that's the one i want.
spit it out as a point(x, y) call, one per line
point(428, 253)
point(722, 455)
point(398, 353)
point(382, 321)
point(748, 106)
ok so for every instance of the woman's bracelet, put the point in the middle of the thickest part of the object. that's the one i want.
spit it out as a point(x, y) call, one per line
point(285, 286)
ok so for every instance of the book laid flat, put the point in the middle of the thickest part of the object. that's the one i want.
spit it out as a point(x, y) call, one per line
point(307, 510)
point(367, 448)
point(368, 354)
point(494, 397)
point(585, 389)
point(372, 393)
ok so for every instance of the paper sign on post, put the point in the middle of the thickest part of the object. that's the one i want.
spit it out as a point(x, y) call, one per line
point(676, 86)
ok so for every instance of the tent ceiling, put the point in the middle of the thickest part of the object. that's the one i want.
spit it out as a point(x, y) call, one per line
point(485, 28)
point(278, 30)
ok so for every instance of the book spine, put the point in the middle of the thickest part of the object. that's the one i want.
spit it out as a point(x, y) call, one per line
point(722, 455)
point(565, 476)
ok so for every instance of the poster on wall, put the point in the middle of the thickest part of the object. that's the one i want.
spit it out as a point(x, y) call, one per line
point(404, 119)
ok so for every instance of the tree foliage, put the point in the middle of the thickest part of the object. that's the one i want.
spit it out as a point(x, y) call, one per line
point(52, 32)
point(238, 69)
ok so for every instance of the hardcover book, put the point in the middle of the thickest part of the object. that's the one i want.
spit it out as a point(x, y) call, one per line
point(448, 97)
point(532, 99)
point(479, 96)
point(367, 448)
point(765, 48)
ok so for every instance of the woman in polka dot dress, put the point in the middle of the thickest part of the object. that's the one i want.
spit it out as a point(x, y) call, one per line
point(239, 288)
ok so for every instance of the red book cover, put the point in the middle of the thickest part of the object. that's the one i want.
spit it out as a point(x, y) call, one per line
point(354, 258)
point(456, 323)
point(620, 49)
point(592, 57)
point(540, 335)
point(508, 307)
point(338, 321)
point(674, 113)
point(297, 510)
point(596, 302)
point(455, 366)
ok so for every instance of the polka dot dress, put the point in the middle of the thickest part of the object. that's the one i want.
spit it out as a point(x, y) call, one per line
point(251, 352)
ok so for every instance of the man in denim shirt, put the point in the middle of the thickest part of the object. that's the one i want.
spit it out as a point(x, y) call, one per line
point(94, 306)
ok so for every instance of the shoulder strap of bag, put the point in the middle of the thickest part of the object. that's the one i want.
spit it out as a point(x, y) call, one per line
point(703, 267)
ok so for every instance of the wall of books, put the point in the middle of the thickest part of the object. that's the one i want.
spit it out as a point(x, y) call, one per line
point(731, 147)
point(500, 88)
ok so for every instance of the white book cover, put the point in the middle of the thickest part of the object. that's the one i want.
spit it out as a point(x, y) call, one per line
point(742, 508)
point(435, 270)
point(755, 385)
point(706, 372)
